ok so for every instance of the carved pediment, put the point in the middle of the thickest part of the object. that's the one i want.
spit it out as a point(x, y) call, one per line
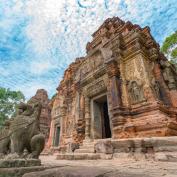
point(96, 86)
point(91, 64)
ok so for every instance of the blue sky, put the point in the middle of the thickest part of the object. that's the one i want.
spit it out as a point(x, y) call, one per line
point(40, 38)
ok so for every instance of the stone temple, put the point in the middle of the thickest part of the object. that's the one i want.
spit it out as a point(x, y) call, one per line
point(123, 88)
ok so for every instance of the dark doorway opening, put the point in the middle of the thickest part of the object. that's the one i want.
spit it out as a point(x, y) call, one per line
point(57, 136)
point(102, 127)
point(106, 122)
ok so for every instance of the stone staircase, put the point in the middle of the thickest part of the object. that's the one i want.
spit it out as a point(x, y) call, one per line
point(85, 152)
point(87, 147)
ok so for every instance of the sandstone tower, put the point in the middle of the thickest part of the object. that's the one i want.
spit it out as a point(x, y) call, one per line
point(123, 88)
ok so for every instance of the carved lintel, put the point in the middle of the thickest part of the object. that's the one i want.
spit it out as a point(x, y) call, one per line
point(95, 89)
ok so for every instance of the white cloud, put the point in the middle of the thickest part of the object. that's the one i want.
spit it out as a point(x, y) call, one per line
point(29, 89)
point(41, 67)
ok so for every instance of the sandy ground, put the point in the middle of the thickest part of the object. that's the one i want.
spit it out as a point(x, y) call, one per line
point(112, 168)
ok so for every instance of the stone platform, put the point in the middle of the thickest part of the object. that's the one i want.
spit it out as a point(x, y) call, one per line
point(18, 167)
point(78, 156)
point(157, 148)
point(11, 163)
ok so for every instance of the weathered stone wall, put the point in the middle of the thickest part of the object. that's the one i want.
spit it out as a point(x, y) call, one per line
point(45, 117)
point(123, 62)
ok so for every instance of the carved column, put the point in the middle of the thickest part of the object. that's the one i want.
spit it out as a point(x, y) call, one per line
point(63, 123)
point(80, 103)
point(81, 112)
point(114, 83)
point(87, 118)
point(112, 54)
point(51, 134)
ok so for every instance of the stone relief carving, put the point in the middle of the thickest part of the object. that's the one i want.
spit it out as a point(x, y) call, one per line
point(92, 63)
point(136, 92)
point(157, 89)
point(169, 75)
point(96, 86)
point(85, 69)
point(69, 127)
point(94, 89)
point(134, 73)
point(139, 66)
point(98, 60)
point(107, 53)
point(129, 70)
point(134, 69)
point(77, 76)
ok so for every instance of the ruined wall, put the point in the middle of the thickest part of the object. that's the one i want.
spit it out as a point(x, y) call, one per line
point(45, 117)
point(124, 62)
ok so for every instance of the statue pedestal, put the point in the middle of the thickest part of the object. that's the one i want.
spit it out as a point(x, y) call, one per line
point(19, 167)
point(15, 163)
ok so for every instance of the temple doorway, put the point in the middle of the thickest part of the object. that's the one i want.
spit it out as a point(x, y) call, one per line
point(100, 118)
point(57, 136)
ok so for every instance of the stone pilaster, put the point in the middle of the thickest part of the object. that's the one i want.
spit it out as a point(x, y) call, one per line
point(114, 82)
point(87, 118)
point(81, 112)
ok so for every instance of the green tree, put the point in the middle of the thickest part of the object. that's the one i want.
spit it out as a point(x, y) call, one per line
point(169, 48)
point(8, 101)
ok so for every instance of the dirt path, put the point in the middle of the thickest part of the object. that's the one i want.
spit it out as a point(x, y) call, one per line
point(106, 168)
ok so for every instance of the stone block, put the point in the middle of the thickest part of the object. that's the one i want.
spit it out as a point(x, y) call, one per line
point(84, 150)
point(165, 144)
point(166, 157)
point(106, 156)
point(78, 156)
point(20, 171)
point(124, 145)
point(161, 157)
point(121, 155)
point(5, 163)
point(104, 147)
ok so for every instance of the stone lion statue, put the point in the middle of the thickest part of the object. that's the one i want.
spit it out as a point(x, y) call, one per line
point(22, 133)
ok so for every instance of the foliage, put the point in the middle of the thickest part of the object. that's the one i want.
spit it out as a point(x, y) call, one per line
point(169, 48)
point(8, 101)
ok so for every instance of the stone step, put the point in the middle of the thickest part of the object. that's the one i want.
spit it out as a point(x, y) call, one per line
point(78, 156)
point(88, 144)
point(88, 141)
point(45, 153)
point(87, 147)
point(86, 150)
